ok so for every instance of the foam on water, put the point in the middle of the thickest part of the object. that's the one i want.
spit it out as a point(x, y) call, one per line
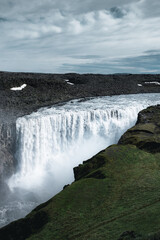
point(53, 140)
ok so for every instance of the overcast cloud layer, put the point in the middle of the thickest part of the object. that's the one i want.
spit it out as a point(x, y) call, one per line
point(105, 36)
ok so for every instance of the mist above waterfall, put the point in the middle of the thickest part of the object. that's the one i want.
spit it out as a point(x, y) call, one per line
point(53, 140)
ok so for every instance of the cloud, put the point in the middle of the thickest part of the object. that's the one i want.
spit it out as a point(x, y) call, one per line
point(3, 19)
point(150, 8)
point(147, 63)
point(118, 12)
point(62, 36)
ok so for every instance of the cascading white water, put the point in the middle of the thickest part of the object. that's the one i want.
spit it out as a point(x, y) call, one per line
point(53, 140)
point(52, 143)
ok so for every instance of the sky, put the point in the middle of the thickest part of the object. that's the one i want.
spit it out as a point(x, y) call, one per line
point(83, 36)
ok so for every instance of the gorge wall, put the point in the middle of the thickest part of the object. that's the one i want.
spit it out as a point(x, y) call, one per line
point(7, 149)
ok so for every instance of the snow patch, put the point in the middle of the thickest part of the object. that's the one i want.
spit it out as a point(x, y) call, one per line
point(68, 82)
point(18, 88)
point(156, 83)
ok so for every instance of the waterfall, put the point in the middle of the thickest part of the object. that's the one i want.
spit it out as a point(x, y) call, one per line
point(53, 140)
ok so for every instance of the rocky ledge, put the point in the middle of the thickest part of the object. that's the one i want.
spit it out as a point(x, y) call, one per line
point(116, 194)
point(146, 134)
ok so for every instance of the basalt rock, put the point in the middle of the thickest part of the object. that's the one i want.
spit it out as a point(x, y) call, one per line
point(91, 168)
point(7, 148)
point(146, 133)
point(129, 235)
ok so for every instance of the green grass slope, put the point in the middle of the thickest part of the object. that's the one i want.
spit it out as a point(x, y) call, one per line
point(121, 193)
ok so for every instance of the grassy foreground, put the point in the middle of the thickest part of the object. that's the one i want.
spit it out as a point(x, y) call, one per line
point(118, 190)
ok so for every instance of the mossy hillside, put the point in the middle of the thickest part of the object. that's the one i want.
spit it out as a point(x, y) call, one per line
point(92, 208)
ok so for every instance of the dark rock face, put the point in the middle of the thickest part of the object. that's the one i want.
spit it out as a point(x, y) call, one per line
point(89, 168)
point(150, 115)
point(7, 147)
point(129, 235)
point(146, 133)
point(7, 163)
point(22, 230)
